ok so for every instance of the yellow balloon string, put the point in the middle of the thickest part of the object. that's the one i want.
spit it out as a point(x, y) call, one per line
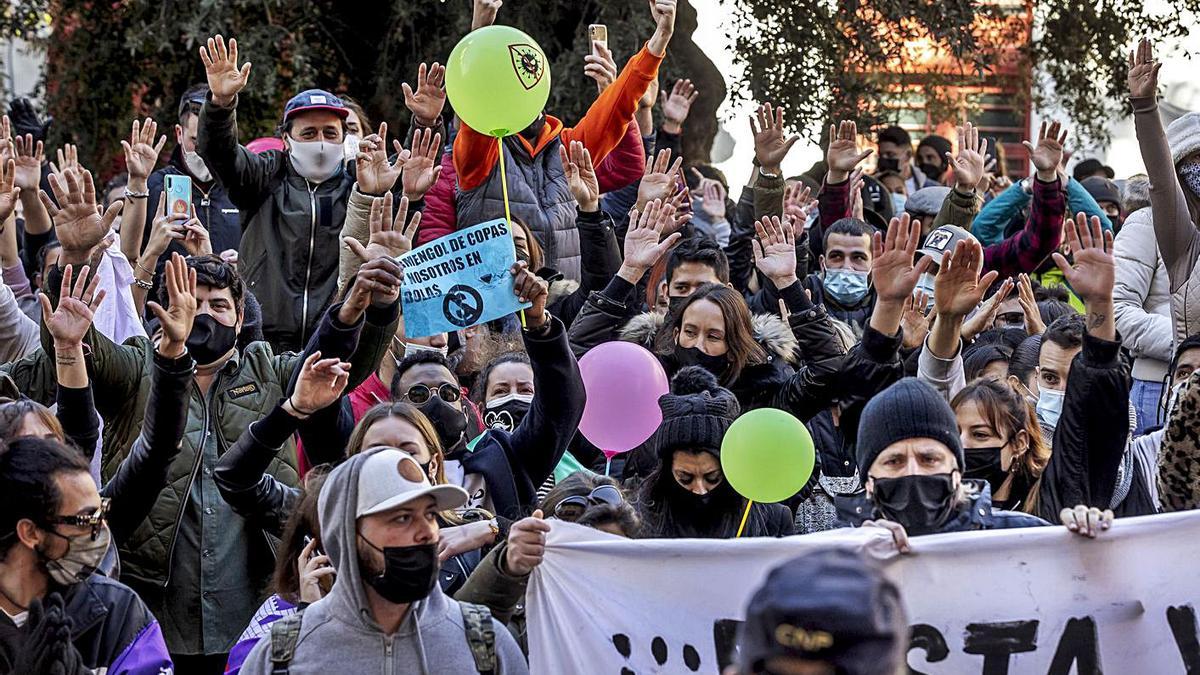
point(507, 213)
point(745, 516)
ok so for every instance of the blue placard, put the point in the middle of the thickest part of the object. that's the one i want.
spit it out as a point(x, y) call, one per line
point(460, 280)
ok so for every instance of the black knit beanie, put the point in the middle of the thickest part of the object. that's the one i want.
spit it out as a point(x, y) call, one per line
point(696, 414)
point(909, 408)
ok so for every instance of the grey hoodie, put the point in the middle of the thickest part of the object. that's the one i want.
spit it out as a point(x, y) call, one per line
point(338, 635)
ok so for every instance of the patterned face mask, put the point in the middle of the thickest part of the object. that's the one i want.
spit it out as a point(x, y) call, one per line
point(1189, 171)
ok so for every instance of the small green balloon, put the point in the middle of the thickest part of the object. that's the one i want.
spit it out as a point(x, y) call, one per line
point(767, 455)
point(498, 80)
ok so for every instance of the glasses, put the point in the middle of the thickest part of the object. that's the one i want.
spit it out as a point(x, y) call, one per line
point(95, 520)
point(420, 393)
point(571, 508)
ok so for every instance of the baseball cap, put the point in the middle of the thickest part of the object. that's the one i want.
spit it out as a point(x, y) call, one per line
point(1102, 189)
point(314, 99)
point(389, 478)
point(830, 606)
point(942, 241)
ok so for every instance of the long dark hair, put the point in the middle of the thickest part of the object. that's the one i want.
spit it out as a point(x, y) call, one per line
point(303, 523)
point(742, 349)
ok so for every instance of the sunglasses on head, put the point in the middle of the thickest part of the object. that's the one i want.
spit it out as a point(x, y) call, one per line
point(420, 393)
point(94, 521)
point(571, 508)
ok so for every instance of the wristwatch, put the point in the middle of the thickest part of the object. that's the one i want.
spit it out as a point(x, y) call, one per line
point(136, 195)
point(764, 174)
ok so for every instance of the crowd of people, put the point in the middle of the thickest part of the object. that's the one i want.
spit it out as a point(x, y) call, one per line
point(220, 451)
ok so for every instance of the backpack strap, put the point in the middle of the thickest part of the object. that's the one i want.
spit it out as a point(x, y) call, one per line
point(285, 633)
point(481, 636)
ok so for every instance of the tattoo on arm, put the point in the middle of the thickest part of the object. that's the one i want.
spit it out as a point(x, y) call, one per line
point(1094, 320)
point(66, 359)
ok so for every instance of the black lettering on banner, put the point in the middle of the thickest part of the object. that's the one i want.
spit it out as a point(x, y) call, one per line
point(996, 641)
point(473, 258)
point(1078, 645)
point(725, 632)
point(926, 637)
point(1183, 627)
point(456, 244)
point(659, 650)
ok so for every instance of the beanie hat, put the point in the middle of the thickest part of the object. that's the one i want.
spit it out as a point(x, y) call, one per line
point(908, 409)
point(1183, 136)
point(696, 414)
point(1089, 167)
point(1102, 189)
point(926, 201)
point(940, 144)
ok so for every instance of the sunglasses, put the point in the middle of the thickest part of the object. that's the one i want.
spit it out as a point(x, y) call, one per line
point(571, 508)
point(420, 393)
point(94, 521)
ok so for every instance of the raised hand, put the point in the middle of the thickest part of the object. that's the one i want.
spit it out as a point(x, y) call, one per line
point(25, 120)
point(427, 101)
point(644, 242)
point(76, 307)
point(531, 288)
point(313, 570)
point(844, 155)
point(390, 237)
point(775, 251)
point(77, 221)
point(856, 197)
point(141, 152)
point(714, 200)
point(958, 288)
point(225, 78)
point(1143, 71)
point(600, 66)
point(916, 319)
point(1033, 316)
point(985, 318)
point(9, 192)
point(320, 383)
point(526, 544)
point(422, 169)
point(68, 159)
point(970, 164)
point(663, 13)
point(376, 175)
point(581, 176)
point(771, 144)
point(164, 229)
point(484, 13)
point(1047, 155)
point(893, 271)
point(28, 157)
point(797, 205)
point(377, 284)
point(6, 145)
point(1091, 272)
point(659, 180)
point(195, 238)
point(176, 320)
point(677, 105)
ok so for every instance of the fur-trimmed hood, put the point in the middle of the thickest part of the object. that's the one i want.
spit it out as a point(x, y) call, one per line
point(770, 331)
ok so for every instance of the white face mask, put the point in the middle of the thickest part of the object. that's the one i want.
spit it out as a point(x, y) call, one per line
point(196, 166)
point(1049, 406)
point(350, 147)
point(317, 161)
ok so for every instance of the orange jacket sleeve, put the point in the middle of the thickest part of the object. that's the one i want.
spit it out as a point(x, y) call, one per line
point(602, 128)
point(475, 156)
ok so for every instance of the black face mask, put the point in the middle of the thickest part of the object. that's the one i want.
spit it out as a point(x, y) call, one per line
point(210, 339)
point(409, 572)
point(984, 463)
point(922, 504)
point(449, 423)
point(675, 303)
point(691, 356)
point(887, 164)
point(506, 413)
point(933, 171)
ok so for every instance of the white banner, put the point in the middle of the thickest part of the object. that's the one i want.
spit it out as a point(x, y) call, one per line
point(1038, 600)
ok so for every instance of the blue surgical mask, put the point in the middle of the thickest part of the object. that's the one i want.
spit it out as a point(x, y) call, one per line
point(848, 287)
point(898, 202)
point(1049, 406)
point(925, 283)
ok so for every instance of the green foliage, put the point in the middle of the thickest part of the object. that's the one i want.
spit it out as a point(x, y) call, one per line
point(852, 59)
point(110, 61)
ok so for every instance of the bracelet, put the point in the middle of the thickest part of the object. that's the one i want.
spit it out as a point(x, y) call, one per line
point(138, 264)
point(145, 285)
point(302, 414)
point(764, 174)
point(136, 195)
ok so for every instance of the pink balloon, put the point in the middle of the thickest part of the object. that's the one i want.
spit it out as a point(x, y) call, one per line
point(623, 382)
